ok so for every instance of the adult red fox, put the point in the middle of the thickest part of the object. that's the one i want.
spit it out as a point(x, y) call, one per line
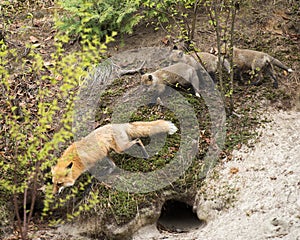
point(82, 155)
point(244, 59)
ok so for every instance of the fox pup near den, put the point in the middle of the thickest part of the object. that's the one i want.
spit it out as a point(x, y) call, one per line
point(244, 59)
point(83, 155)
point(178, 73)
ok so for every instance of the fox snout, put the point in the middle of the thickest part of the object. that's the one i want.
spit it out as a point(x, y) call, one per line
point(60, 186)
point(55, 189)
point(62, 177)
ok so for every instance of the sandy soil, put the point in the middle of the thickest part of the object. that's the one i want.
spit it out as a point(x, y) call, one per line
point(268, 183)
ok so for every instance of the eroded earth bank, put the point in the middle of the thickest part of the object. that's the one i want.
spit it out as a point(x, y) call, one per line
point(266, 176)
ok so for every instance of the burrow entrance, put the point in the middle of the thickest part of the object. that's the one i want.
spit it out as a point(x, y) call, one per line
point(177, 216)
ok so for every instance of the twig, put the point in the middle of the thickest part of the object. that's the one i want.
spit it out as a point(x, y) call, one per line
point(192, 33)
point(15, 199)
point(34, 192)
point(236, 114)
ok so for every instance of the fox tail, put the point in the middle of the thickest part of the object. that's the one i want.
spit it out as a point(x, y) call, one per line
point(144, 129)
point(279, 64)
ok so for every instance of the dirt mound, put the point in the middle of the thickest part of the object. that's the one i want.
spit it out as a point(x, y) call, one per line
point(267, 183)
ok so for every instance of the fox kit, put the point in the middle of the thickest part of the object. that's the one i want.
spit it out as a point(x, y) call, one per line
point(245, 59)
point(178, 73)
point(210, 63)
point(178, 56)
point(83, 155)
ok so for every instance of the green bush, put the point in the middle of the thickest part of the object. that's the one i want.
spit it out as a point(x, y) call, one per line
point(98, 18)
point(101, 18)
point(176, 17)
point(37, 102)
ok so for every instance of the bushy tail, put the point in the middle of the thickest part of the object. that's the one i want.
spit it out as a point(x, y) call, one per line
point(172, 128)
point(144, 129)
point(279, 64)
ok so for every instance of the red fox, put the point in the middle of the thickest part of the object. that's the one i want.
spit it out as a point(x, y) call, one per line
point(178, 56)
point(82, 155)
point(209, 61)
point(178, 73)
point(244, 59)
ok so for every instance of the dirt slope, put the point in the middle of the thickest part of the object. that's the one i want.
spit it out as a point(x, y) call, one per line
point(268, 179)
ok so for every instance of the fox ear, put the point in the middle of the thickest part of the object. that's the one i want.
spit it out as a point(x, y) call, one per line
point(70, 165)
point(69, 168)
point(180, 54)
point(150, 77)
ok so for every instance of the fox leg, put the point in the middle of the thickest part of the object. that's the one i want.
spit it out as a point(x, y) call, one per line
point(123, 147)
point(156, 100)
point(239, 74)
point(259, 77)
point(138, 141)
point(270, 71)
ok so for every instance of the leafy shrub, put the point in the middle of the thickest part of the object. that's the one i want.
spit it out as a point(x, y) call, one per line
point(37, 102)
point(98, 18)
point(176, 15)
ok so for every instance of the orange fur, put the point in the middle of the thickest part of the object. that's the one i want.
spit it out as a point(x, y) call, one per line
point(82, 155)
